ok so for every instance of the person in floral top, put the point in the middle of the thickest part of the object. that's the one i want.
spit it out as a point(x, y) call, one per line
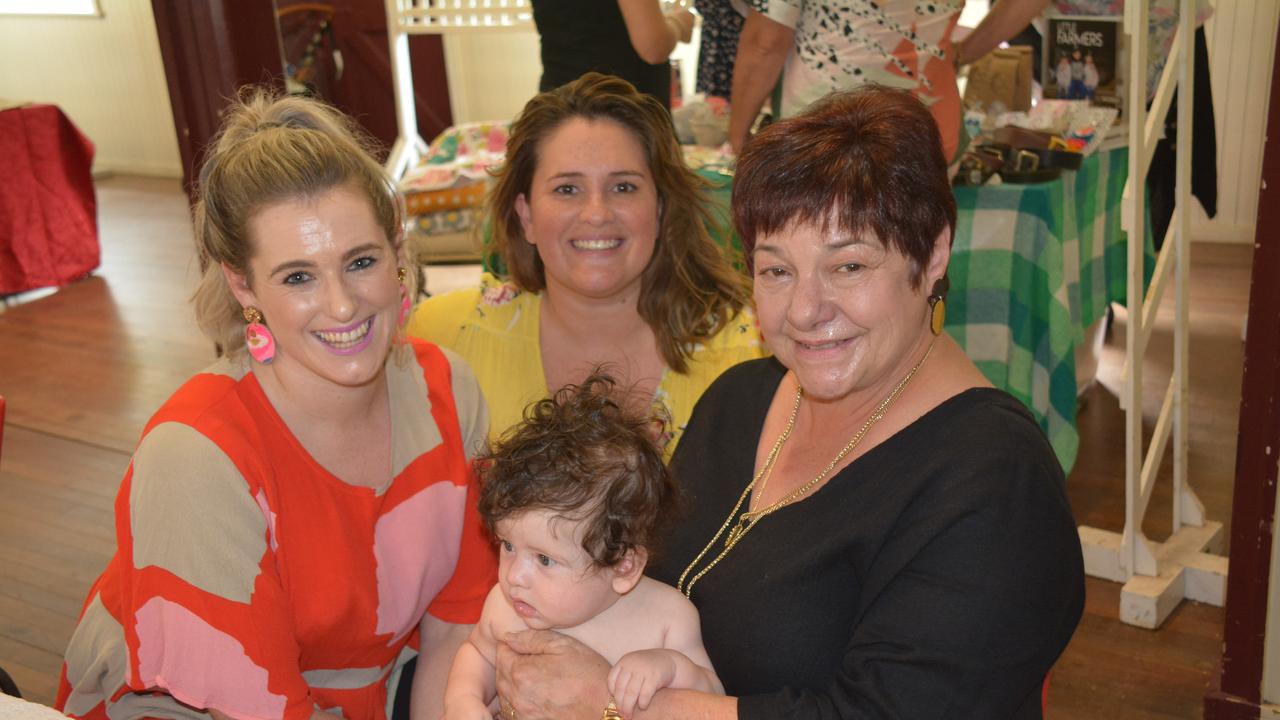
point(817, 48)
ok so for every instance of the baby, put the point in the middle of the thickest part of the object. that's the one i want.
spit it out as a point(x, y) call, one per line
point(574, 496)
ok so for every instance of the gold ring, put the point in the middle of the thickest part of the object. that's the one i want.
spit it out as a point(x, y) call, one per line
point(509, 710)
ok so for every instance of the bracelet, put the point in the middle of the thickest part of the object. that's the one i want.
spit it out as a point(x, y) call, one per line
point(611, 711)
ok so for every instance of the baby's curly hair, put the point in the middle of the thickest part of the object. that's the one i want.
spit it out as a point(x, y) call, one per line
point(583, 456)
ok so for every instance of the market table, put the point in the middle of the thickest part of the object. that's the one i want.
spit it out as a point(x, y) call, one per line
point(1033, 266)
point(48, 213)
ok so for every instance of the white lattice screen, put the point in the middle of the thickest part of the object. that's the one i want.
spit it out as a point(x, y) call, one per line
point(445, 16)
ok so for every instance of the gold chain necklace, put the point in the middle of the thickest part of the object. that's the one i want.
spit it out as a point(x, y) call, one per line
point(750, 518)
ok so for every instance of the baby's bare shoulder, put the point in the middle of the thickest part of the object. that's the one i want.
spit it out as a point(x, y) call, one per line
point(662, 601)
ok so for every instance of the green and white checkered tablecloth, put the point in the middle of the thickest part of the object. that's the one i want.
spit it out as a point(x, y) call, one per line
point(1032, 267)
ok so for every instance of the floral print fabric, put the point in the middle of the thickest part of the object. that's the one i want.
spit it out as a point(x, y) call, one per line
point(898, 43)
point(721, 26)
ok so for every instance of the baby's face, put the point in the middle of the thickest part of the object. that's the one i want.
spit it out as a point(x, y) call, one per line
point(545, 573)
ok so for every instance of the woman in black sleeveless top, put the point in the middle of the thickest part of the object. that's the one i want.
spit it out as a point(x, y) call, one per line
point(628, 38)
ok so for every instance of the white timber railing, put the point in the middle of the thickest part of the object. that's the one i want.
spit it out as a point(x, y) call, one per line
point(436, 17)
point(1158, 575)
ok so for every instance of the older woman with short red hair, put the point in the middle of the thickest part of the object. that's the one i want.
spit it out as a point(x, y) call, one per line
point(875, 531)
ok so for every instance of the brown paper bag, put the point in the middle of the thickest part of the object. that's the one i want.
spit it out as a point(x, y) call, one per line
point(1002, 75)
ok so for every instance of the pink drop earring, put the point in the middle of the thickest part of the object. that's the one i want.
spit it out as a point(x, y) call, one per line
point(406, 305)
point(261, 344)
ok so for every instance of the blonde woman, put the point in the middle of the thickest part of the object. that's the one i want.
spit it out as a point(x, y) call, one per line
point(298, 521)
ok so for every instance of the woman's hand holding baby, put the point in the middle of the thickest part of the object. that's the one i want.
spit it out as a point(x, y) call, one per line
point(549, 676)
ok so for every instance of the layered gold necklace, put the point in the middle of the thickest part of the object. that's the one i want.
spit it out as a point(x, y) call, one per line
point(736, 530)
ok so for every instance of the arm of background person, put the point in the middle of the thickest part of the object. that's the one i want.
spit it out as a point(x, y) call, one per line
point(654, 34)
point(1005, 20)
point(437, 645)
point(762, 51)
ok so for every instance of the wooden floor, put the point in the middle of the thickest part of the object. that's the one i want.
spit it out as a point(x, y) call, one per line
point(82, 369)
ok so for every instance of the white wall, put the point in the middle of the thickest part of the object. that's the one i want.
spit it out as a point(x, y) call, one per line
point(492, 75)
point(106, 75)
point(1241, 36)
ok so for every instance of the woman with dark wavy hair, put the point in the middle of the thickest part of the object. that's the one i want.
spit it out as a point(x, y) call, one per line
point(604, 233)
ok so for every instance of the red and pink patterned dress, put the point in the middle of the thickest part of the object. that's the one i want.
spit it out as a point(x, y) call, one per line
point(250, 580)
